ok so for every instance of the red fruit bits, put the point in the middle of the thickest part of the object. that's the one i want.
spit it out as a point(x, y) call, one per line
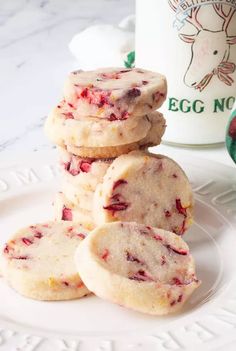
point(180, 208)
point(122, 206)
point(85, 166)
point(27, 241)
point(66, 214)
point(105, 254)
point(133, 93)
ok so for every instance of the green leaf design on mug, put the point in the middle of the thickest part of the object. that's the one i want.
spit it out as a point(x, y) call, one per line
point(231, 136)
point(130, 60)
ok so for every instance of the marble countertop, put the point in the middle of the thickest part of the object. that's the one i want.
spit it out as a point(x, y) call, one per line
point(34, 60)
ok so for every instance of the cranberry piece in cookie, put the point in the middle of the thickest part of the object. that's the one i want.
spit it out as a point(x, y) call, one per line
point(65, 210)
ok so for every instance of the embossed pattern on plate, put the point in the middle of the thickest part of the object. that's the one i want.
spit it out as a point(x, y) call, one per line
point(90, 324)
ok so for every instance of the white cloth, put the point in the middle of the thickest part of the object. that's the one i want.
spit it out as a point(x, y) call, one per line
point(104, 45)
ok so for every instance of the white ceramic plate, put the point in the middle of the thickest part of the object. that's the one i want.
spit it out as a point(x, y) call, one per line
point(208, 321)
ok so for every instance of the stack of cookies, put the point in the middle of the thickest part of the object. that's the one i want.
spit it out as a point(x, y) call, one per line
point(105, 113)
point(102, 129)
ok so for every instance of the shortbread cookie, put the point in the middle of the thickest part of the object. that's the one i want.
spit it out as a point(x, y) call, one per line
point(78, 196)
point(145, 188)
point(64, 127)
point(115, 93)
point(143, 268)
point(85, 173)
point(153, 138)
point(64, 210)
point(38, 261)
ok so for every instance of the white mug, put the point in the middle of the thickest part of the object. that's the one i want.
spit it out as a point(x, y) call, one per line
point(192, 42)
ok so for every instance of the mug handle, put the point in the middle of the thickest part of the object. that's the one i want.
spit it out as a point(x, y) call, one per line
point(230, 138)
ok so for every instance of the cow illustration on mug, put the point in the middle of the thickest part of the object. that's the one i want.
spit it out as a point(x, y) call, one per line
point(210, 50)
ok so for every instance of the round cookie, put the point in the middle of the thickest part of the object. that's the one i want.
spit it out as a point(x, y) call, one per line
point(64, 126)
point(146, 188)
point(38, 261)
point(115, 93)
point(85, 173)
point(64, 210)
point(136, 266)
point(153, 138)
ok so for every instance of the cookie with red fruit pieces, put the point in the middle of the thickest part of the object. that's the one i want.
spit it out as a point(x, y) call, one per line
point(115, 93)
point(38, 261)
point(65, 210)
point(85, 173)
point(64, 126)
point(152, 138)
point(145, 188)
point(139, 267)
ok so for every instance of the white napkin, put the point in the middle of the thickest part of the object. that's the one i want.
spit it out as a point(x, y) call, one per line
point(104, 45)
